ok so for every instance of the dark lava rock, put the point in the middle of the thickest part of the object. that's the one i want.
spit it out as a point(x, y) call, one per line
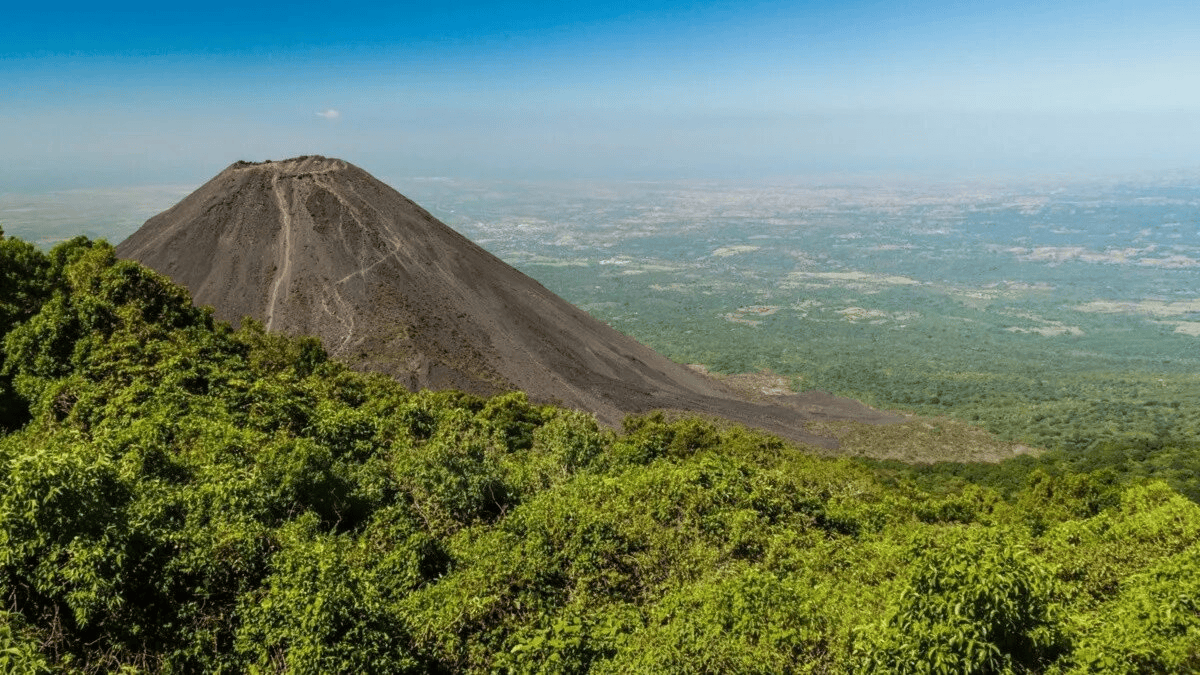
point(318, 246)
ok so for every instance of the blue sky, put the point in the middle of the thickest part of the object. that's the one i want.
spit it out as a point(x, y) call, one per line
point(143, 93)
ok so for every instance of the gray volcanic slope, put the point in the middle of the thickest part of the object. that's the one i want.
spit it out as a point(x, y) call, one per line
point(318, 246)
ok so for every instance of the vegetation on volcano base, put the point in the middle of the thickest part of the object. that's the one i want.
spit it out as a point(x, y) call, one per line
point(178, 496)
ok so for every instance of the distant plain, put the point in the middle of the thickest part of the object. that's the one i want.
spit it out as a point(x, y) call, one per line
point(1060, 313)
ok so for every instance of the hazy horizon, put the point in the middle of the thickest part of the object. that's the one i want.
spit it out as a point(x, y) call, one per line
point(670, 90)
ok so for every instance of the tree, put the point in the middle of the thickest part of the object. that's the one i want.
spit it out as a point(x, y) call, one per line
point(975, 605)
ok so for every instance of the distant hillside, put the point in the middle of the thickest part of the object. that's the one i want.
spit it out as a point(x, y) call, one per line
point(317, 246)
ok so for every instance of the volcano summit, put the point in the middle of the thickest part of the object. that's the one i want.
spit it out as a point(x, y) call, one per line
point(318, 246)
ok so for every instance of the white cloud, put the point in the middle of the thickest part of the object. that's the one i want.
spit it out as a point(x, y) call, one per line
point(329, 114)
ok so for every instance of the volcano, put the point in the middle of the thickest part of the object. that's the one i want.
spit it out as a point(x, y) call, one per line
point(317, 246)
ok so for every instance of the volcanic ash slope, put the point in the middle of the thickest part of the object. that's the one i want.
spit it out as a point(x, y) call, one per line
point(318, 246)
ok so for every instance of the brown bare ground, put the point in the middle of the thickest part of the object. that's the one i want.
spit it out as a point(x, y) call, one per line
point(920, 440)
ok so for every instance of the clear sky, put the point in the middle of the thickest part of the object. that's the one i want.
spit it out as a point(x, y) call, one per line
point(144, 93)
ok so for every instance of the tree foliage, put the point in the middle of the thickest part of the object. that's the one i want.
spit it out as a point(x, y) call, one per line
point(178, 496)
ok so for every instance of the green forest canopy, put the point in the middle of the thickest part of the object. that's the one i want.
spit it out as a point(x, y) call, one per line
point(179, 496)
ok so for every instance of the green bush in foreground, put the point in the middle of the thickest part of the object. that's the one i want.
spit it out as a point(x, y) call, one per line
point(974, 605)
point(177, 496)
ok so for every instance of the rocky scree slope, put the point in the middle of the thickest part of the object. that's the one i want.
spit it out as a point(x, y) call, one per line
point(317, 246)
